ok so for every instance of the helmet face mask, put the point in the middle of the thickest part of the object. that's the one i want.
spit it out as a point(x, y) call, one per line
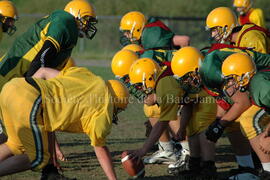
point(190, 82)
point(87, 26)
point(222, 20)
point(230, 86)
point(141, 86)
point(85, 17)
point(242, 6)
point(241, 10)
point(232, 83)
point(218, 33)
point(8, 25)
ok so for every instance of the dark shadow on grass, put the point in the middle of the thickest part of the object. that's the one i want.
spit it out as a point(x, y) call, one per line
point(78, 142)
point(224, 154)
point(221, 175)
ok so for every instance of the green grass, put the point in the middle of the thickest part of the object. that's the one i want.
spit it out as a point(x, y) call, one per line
point(128, 134)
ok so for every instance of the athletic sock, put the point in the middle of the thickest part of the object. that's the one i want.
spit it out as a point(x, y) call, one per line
point(266, 166)
point(245, 161)
point(165, 146)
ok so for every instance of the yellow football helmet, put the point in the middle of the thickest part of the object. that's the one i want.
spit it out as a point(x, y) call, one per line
point(223, 20)
point(185, 64)
point(133, 47)
point(85, 14)
point(120, 94)
point(186, 60)
point(134, 23)
point(243, 5)
point(122, 62)
point(8, 15)
point(238, 67)
point(144, 73)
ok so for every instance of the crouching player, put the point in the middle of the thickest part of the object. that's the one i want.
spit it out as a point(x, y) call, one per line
point(162, 89)
point(157, 41)
point(243, 82)
point(74, 100)
point(167, 153)
point(185, 64)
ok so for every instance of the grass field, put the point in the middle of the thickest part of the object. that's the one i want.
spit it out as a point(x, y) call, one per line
point(128, 134)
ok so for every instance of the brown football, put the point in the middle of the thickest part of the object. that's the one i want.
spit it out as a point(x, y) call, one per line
point(134, 169)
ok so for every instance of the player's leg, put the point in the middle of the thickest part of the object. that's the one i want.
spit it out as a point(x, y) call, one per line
point(59, 154)
point(253, 127)
point(241, 145)
point(165, 153)
point(12, 152)
point(208, 168)
point(203, 114)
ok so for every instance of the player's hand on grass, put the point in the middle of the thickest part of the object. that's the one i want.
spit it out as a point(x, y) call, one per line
point(214, 131)
point(265, 142)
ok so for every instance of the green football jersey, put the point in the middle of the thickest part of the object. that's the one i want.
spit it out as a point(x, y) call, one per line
point(259, 89)
point(158, 55)
point(156, 35)
point(210, 69)
point(59, 27)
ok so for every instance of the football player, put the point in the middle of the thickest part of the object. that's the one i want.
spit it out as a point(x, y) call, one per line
point(74, 100)
point(247, 14)
point(223, 26)
point(244, 81)
point(158, 43)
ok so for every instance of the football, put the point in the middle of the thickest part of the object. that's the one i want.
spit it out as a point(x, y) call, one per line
point(134, 169)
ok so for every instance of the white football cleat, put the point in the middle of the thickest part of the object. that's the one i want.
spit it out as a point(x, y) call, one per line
point(161, 157)
point(181, 164)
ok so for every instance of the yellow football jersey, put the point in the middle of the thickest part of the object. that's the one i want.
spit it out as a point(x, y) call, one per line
point(253, 39)
point(169, 96)
point(257, 17)
point(77, 101)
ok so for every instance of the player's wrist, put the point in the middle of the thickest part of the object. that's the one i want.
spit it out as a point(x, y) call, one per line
point(223, 123)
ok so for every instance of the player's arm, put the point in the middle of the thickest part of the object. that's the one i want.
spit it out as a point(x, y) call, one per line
point(186, 113)
point(241, 104)
point(46, 73)
point(104, 157)
point(46, 54)
point(182, 41)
